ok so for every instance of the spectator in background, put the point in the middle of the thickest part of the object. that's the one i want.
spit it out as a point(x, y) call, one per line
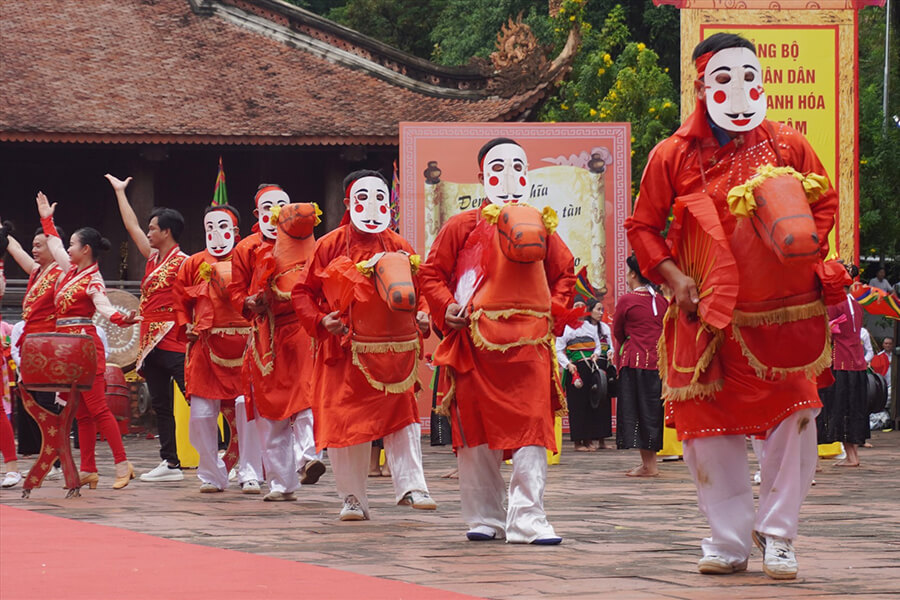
point(637, 326)
point(581, 353)
point(880, 281)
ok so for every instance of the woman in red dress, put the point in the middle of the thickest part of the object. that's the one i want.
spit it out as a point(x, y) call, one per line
point(80, 292)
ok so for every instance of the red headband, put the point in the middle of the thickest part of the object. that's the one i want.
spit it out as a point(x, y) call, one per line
point(228, 212)
point(268, 188)
point(701, 63)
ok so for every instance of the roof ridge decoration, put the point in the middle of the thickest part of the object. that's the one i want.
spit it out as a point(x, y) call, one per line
point(518, 66)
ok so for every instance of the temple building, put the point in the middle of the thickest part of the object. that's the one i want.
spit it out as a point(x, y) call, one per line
point(159, 89)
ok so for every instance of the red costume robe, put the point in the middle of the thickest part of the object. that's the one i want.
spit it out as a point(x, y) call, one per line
point(278, 364)
point(352, 406)
point(505, 399)
point(212, 367)
point(38, 307)
point(157, 308)
point(746, 404)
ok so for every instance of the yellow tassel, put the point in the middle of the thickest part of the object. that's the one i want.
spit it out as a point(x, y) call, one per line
point(414, 261)
point(491, 212)
point(742, 203)
point(276, 210)
point(318, 212)
point(204, 271)
point(550, 219)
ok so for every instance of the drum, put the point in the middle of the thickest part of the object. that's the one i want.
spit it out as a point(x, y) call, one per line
point(118, 397)
point(53, 362)
point(122, 342)
point(876, 392)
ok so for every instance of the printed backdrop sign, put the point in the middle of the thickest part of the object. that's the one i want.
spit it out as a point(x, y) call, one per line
point(581, 170)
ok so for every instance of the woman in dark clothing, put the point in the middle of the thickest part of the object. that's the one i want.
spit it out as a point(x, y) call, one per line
point(637, 326)
point(581, 352)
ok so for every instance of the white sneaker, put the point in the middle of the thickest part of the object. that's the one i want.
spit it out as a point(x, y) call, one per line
point(209, 488)
point(279, 497)
point(163, 472)
point(713, 564)
point(54, 474)
point(233, 474)
point(757, 478)
point(251, 487)
point(419, 499)
point(779, 560)
point(352, 510)
point(12, 478)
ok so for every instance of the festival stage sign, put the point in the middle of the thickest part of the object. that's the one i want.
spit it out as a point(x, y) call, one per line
point(808, 52)
point(581, 170)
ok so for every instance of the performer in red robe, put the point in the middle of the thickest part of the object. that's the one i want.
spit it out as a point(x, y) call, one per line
point(495, 314)
point(39, 315)
point(368, 351)
point(218, 337)
point(80, 292)
point(277, 366)
point(162, 342)
point(719, 147)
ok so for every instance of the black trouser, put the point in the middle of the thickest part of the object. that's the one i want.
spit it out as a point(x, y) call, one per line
point(29, 433)
point(639, 410)
point(159, 369)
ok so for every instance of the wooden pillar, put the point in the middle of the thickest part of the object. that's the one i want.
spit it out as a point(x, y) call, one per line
point(142, 195)
point(332, 202)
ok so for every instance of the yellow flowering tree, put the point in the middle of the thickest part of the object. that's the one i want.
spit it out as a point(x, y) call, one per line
point(615, 79)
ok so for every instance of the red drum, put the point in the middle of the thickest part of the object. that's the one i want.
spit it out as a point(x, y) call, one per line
point(118, 397)
point(53, 362)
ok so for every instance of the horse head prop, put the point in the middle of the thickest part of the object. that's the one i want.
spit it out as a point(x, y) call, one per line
point(776, 201)
point(392, 274)
point(523, 234)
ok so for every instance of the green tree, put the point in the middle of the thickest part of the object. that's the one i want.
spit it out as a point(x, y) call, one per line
point(879, 146)
point(615, 79)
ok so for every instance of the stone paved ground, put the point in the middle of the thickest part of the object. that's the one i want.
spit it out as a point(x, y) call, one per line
point(624, 538)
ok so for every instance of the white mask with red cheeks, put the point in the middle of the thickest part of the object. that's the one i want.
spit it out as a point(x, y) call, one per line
point(370, 210)
point(219, 226)
point(266, 199)
point(735, 98)
point(505, 171)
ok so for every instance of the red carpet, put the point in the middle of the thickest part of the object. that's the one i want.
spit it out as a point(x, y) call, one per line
point(49, 557)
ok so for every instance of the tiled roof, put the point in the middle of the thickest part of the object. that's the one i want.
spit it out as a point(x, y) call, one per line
point(156, 71)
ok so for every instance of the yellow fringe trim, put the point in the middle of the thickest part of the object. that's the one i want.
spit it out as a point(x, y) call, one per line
point(778, 316)
point(762, 370)
point(229, 363)
point(550, 219)
point(284, 296)
point(357, 348)
point(563, 410)
point(495, 315)
point(276, 211)
point(444, 408)
point(229, 330)
point(254, 351)
point(694, 389)
point(741, 199)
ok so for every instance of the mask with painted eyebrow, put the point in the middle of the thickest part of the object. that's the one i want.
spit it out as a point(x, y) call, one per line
point(506, 174)
point(735, 99)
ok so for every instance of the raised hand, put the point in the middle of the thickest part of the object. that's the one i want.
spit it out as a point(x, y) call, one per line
point(45, 209)
point(117, 184)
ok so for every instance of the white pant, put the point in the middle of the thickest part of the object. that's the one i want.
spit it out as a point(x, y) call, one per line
point(787, 463)
point(403, 448)
point(482, 492)
point(278, 454)
point(249, 445)
point(203, 432)
point(304, 441)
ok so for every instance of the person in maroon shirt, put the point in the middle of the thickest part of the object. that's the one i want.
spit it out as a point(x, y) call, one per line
point(637, 325)
point(845, 410)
